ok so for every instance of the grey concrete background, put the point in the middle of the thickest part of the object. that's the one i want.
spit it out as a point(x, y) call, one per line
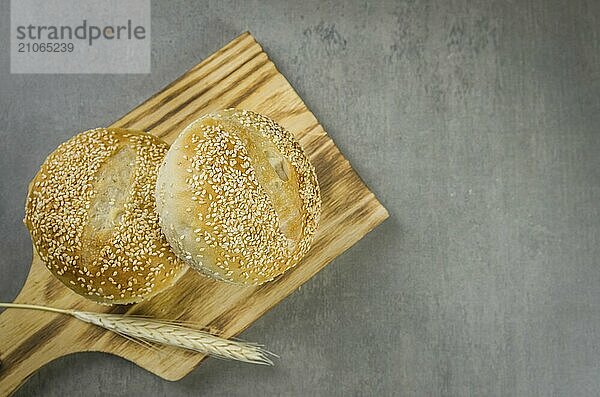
point(477, 125)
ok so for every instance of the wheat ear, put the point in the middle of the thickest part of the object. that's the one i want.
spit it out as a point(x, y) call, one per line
point(166, 333)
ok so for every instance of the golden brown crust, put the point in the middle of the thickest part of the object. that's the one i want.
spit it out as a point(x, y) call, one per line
point(91, 215)
point(237, 197)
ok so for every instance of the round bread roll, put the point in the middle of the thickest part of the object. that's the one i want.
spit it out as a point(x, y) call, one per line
point(91, 215)
point(238, 198)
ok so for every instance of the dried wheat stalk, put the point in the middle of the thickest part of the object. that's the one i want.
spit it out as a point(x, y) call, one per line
point(166, 333)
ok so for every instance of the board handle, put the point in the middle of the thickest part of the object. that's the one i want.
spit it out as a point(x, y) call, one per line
point(27, 342)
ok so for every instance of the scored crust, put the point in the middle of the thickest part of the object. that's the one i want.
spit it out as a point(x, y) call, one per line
point(91, 215)
point(238, 198)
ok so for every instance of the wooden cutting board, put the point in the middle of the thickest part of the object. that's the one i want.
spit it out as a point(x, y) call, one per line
point(238, 75)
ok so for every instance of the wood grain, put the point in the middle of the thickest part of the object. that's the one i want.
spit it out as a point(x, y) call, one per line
point(239, 75)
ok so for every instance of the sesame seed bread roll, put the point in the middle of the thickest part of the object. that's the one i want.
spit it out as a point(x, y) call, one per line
point(92, 219)
point(238, 198)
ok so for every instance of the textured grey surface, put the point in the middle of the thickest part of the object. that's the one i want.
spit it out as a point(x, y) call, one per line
point(478, 126)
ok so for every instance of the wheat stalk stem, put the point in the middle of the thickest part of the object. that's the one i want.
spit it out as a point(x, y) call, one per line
point(166, 333)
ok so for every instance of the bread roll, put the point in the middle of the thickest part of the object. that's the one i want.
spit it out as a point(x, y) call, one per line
point(91, 215)
point(238, 198)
